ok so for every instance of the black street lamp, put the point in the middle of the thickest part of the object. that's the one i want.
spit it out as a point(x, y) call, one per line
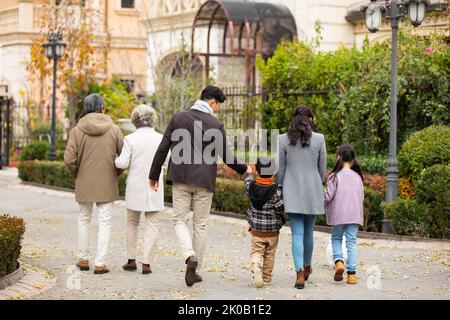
point(54, 50)
point(4, 95)
point(394, 10)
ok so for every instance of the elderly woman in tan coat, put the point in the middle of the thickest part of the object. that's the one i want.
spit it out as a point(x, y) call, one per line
point(137, 155)
point(90, 153)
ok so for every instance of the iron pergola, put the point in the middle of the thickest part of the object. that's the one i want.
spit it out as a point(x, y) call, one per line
point(246, 29)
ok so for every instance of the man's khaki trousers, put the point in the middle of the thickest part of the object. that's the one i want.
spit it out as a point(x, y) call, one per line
point(183, 196)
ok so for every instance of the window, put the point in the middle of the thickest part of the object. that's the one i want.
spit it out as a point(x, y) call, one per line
point(127, 4)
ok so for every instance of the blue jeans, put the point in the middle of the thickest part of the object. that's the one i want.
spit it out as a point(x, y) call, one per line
point(302, 228)
point(351, 230)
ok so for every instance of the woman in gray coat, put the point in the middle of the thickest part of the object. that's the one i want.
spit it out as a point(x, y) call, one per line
point(302, 165)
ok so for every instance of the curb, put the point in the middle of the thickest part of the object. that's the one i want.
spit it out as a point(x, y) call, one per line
point(326, 229)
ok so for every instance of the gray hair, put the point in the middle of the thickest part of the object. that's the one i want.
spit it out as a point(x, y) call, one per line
point(93, 103)
point(143, 116)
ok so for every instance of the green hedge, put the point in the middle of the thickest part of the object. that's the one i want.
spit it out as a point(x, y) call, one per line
point(408, 217)
point(433, 189)
point(11, 234)
point(423, 149)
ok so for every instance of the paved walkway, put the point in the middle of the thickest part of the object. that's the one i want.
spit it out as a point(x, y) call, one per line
point(387, 269)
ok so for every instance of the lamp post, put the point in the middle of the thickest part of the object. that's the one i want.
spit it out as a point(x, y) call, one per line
point(54, 50)
point(394, 10)
point(4, 95)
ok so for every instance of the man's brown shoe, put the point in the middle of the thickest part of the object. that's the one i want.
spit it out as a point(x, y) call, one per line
point(308, 271)
point(83, 265)
point(300, 282)
point(130, 265)
point(191, 265)
point(146, 269)
point(101, 270)
point(338, 274)
point(198, 278)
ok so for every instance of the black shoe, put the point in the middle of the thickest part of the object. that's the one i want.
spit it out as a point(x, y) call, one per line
point(191, 266)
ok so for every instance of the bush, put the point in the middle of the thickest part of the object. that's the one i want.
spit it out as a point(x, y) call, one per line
point(11, 234)
point(423, 149)
point(373, 213)
point(37, 150)
point(373, 164)
point(433, 189)
point(355, 108)
point(408, 217)
point(46, 172)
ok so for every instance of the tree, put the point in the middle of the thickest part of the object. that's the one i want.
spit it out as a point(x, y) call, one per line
point(82, 58)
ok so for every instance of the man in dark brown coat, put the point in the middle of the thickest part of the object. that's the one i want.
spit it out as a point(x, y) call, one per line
point(90, 153)
point(192, 171)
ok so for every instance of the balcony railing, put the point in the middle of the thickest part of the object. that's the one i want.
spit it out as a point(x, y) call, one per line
point(9, 20)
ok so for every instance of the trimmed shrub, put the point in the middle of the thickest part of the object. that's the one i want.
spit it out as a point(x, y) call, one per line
point(37, 150)
point(408, 217)
point(423, 149)
point(11, 234)
point(433, 189)
point(52, 173)
point(373, 213)
point(373, 164)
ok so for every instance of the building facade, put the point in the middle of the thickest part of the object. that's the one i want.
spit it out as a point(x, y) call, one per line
point(119, 21)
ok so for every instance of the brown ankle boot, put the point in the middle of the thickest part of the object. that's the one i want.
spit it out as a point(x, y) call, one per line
point(130, 265)
point(191, 266)
point(300, 282)
point(146, 269)
point(308, 271)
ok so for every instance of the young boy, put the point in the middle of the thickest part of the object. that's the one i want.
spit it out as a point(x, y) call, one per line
point(265, 215)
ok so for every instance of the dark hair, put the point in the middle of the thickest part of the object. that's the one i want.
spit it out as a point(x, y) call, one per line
point(93, 103)
point(264, 167)
point(212, 92)
point(300, 130)
point(346, 153)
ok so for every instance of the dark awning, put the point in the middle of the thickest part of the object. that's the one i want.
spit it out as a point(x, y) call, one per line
point(246, 20)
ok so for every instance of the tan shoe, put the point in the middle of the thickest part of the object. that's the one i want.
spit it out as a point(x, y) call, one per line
point(146, 269)
point(351, 278)
point(83, 265)
point(130, 265)
point(101, 270)
point(300, 281)
point(338, 274)
point(308, 271)
point(257, 277)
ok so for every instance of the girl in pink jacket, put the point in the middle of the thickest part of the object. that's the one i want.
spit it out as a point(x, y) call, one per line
point(344, 199)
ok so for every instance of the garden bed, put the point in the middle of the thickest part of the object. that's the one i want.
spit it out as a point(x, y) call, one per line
point(12, 278)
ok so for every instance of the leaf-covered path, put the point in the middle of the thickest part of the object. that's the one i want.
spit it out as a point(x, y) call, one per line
point(387, 269)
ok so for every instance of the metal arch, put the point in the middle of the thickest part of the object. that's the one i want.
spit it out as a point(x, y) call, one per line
point(252, 19)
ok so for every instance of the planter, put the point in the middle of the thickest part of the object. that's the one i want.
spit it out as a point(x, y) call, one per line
point(12, 278)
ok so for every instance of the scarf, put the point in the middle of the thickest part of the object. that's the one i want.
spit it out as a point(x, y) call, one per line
point(264, 181)
point(202, 106)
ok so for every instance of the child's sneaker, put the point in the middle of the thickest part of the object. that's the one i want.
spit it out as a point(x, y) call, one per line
point(257, 278)
point(338, 274)
point(351, 278)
